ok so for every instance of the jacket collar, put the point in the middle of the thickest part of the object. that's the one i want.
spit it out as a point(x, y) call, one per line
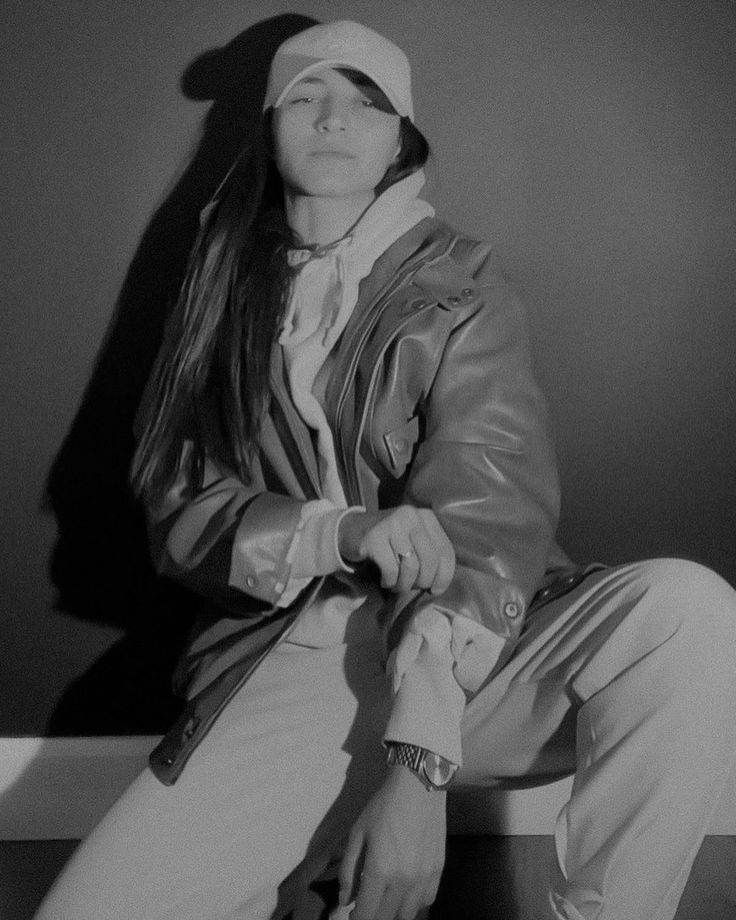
point(409, 249)
point(420, 258)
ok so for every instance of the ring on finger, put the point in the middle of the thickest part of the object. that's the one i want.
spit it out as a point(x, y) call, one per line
point(407, 555)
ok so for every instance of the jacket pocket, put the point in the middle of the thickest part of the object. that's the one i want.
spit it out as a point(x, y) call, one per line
point(399, 443)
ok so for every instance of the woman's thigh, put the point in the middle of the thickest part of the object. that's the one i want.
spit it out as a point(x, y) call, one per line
point(522, 725)
point(278, 778)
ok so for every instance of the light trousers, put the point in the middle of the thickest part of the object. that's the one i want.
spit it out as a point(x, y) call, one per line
point(629, 681)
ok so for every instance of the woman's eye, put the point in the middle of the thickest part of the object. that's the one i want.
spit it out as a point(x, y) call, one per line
point(368, 103)
point(302, 99)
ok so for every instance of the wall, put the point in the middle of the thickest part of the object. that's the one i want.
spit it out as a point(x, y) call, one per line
point(592, 141)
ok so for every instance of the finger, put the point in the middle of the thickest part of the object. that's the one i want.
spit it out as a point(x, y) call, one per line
point(444, 575)
point(408, 568)
point(430, 891)
point(433, 526)
point(428, 557)
point(446, 563)
point(369, 896)
point(384, 556)
point(411, 905)
point(349, 867)
point(390, 904)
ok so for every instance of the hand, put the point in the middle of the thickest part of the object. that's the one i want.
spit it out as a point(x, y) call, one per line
point(407, 544)
point(396, 850)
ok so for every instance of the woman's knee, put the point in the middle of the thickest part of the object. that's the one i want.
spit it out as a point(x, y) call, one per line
point(689, 595)
point(671, 630)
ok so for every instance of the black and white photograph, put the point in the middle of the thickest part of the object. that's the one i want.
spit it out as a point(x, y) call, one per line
point(369, 460)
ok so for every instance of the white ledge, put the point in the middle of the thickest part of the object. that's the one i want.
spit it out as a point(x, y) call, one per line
point(58, 788)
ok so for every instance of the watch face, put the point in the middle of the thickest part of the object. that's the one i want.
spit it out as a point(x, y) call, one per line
point(438, 771)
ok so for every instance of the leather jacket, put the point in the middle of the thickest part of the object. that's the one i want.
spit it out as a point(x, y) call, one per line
point(432, 403)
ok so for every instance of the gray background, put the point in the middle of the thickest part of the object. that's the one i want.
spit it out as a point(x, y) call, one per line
point(593, 142)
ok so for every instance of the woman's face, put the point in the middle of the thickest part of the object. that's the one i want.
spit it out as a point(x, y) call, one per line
point(333, 138)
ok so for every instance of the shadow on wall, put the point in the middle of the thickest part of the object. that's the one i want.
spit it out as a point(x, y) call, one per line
point(100, 565)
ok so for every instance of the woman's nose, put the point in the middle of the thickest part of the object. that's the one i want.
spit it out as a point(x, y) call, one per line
point(332, 117)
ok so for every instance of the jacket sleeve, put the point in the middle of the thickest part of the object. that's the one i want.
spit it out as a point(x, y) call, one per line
point(233, 542)
point(486, 467)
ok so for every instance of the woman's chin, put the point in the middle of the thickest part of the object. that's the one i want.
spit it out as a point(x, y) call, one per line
point(334, 181)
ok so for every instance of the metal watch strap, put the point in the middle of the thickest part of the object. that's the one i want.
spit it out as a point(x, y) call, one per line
point(415, 759)
point(409, 755)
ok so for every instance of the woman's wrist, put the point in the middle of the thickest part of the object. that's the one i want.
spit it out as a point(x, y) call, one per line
point(401, 777)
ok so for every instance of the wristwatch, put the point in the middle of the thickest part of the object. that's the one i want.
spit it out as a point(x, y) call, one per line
point(434, 771)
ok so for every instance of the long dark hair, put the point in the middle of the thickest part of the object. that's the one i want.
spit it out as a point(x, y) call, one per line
point(209, 385)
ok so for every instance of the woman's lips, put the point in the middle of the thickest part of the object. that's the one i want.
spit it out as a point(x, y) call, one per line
point(333, 154)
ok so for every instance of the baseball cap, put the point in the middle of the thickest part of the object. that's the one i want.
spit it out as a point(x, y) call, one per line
point(342, 44)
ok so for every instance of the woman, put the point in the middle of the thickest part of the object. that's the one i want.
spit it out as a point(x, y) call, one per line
point(342, 450)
